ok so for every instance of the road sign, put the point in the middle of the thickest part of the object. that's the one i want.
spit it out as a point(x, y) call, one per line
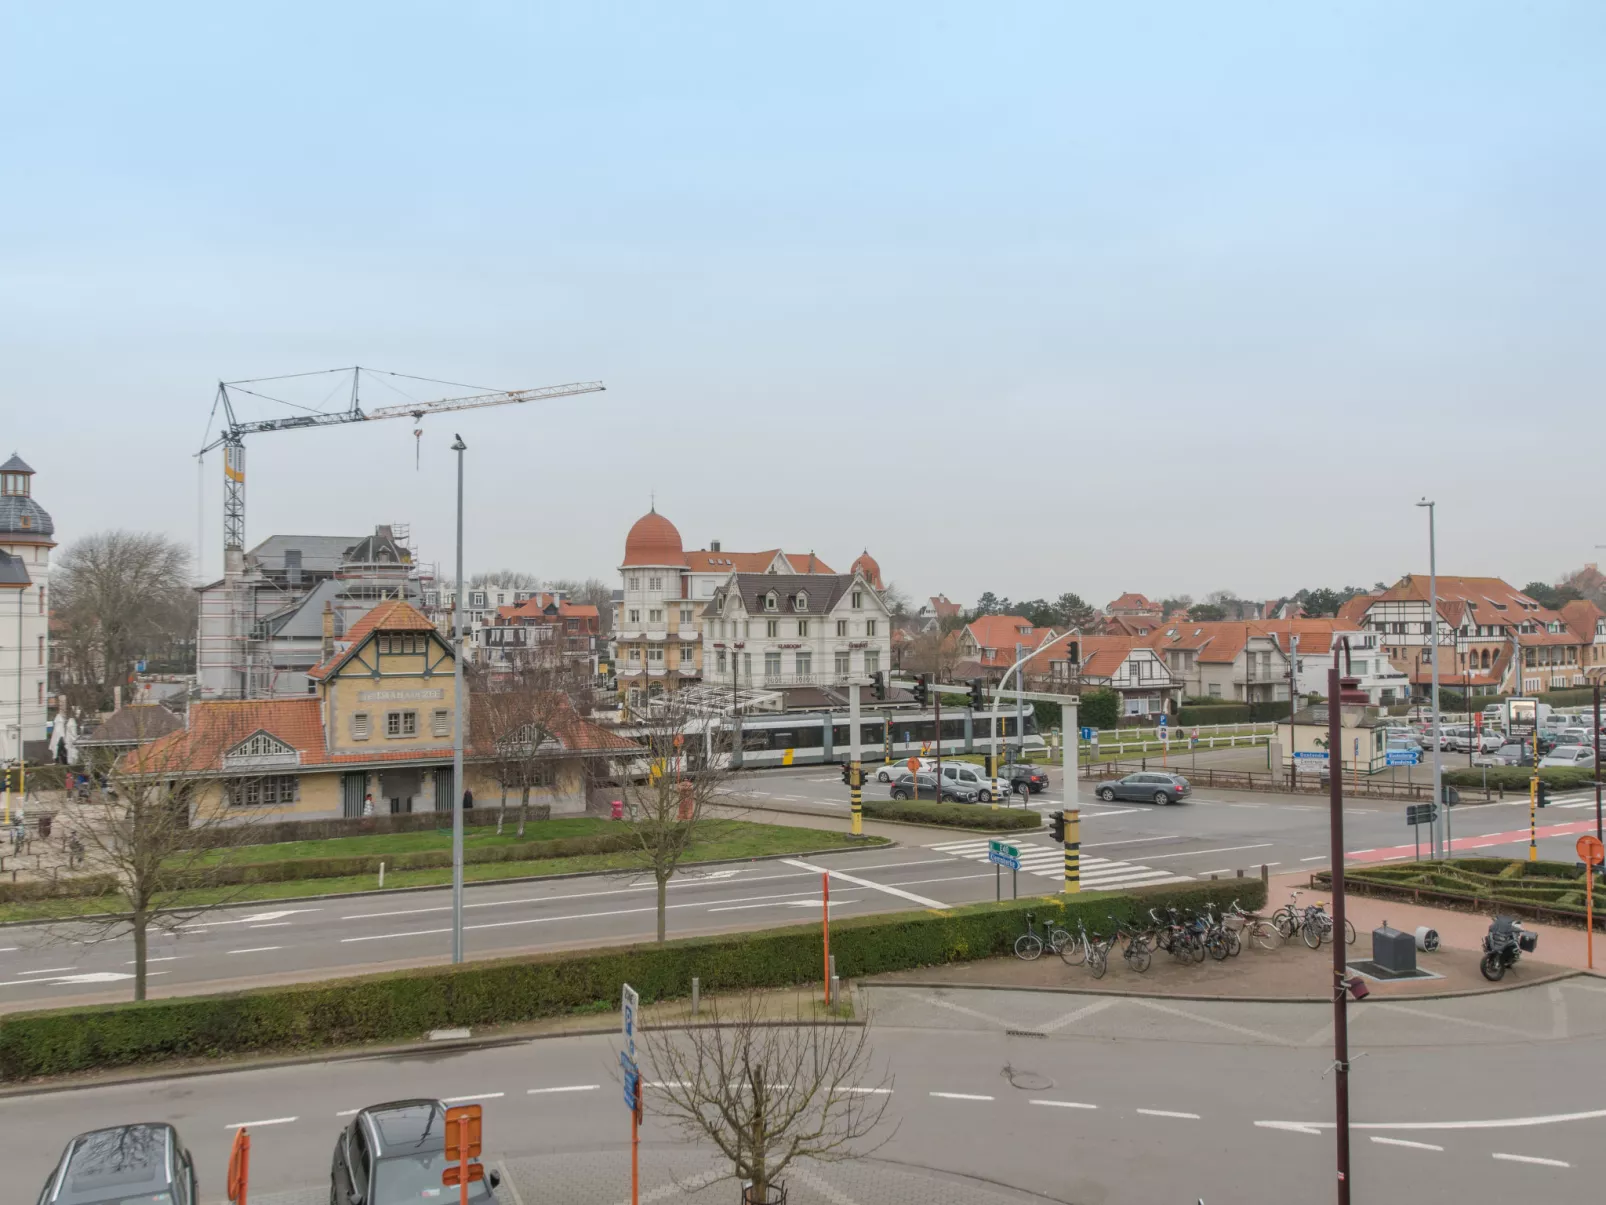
point(462, 1144)
point(1403, 757)
point(1421, 813)
point(1089, 734)
point(1001, 854)
point(632, 1078)
point(1164, 734)
point(1163, 720)
point(1590, 851)
point(629, 1001)
point(239, 1167)
point(1310, 756)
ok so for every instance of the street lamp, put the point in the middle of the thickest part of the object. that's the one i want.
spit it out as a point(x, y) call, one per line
point(1069, 737)
point(459, 447)
point(1433, 646)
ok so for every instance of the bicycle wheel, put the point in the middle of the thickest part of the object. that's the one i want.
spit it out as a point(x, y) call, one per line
point(1028, 946)
point(1349, 932)
point(1285, 925)
point(1312, 933)
point(1196, 947)
point(1138, 956)
point(1074, 952)
point(1235, 943)
point(1266, 935)
point(1217, 947)
point(1058, 939)
point(1098, 960)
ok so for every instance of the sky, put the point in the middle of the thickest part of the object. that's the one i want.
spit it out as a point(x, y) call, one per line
point(1022, 297)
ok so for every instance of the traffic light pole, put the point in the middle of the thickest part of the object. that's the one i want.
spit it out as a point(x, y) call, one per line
point(855, 770)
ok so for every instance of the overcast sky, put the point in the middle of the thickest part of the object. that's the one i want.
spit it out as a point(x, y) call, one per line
point(1028, 298)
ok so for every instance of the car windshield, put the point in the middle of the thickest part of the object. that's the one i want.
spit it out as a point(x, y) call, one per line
point(418, 1178)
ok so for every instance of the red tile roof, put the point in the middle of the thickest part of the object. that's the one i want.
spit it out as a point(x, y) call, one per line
point(1002, 633)
point(392, 615)
point(1132, 602)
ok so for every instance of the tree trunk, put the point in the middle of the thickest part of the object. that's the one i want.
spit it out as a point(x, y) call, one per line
point(139, 954)
point(524, 806)
point(663, 903)
point(503, 812)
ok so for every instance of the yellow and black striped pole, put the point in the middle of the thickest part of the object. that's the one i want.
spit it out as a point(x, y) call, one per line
point(1073, 850)
point(856, 797)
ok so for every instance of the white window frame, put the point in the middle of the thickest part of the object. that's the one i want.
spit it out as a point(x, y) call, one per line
point(841, 627)
point(440, 722)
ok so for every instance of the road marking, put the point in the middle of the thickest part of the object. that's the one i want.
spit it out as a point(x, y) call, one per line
point(457, 1100)
point(1317, 858)
point(1292, 1127)
point(565, 1088)
point(348, 1112)
point(271, 1121)
point(48, 971)
point(867, 1091)
point(169, 958)
point(1529, 1159)
point(1167, 1113)
point(1499, 1123)
point(9, 949)
point(257, 950)
point(1087, 1010)
point(858, 882)
point(958, 1096)
point(1156, 1006)
point(1415, 1146)
point(278, 924)
point(1132, 841)
point(1438, 1016)
point(666, 1083)
point(1188, 853)
point(901, 865)
point(804, 903)
point(1062, 1104)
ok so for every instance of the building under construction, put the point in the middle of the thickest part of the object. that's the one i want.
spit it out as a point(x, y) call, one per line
point(278, 608)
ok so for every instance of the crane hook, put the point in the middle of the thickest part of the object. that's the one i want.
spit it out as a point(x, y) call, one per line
point(418, 443)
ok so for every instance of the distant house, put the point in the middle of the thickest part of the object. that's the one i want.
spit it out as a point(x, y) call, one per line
point(990, 644)
point(1226, 660)
point(129, 727)
point(1123, 664)
point(934, 610)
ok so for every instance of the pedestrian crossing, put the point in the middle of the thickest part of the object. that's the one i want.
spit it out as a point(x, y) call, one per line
point(1048, 861)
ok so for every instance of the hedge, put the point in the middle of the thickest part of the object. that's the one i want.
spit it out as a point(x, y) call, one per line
point(1486, 882)
point(1263, 713)
point(406, 1005)
point(278, 832)
point(952, 815)
point(1516, 778)
point(1099, 709)
point(1215, 713)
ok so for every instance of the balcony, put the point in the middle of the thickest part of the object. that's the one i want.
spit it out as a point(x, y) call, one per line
point(688, 633)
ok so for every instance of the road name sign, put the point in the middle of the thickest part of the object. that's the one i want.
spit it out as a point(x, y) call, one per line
point(1421, 813)
point(1001, 854)
point(1310, 756)
point(1403, 757)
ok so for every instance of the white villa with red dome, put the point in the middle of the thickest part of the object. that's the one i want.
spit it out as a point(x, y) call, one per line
point(661, 640)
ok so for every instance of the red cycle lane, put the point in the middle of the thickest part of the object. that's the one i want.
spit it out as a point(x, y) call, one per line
point(1482, 841)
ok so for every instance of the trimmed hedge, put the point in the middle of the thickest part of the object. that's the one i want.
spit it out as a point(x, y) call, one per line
point(953, 815)
point(1485, 882)
point(279, 832)
point(1192, 714)
point(406, 1005)
point(1516, 778)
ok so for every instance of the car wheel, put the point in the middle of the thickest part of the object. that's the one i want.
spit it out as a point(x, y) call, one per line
point(1107, 794)
point(1161, 798)
point(984, 797)
point(899, 795)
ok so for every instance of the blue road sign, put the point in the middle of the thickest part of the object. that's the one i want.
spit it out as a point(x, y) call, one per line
point(1404, 757)
point(1163, 720)
point(1088, 734)
point(1310, 756)
point(632, 1080)
point(1000, 854)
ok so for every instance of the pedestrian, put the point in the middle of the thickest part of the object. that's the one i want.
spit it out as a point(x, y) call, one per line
point(368, 804)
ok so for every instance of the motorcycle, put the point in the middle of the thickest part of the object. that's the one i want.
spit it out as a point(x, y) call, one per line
point(1504, 943)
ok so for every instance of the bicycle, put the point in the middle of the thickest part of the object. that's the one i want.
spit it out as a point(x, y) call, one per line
point(1029, 945)
point(1075, 951)
point(1260, 930)
point(1220, 941)
point(1136, 951)
point(1289, 919)
point(1318, 927)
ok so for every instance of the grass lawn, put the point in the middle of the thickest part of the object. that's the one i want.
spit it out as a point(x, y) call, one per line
point(720, 839)
point(440, 838)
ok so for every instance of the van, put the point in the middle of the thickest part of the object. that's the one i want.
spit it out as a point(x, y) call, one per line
point(972, 778)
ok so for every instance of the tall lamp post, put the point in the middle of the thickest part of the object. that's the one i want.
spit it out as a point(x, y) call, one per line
point(1442, 849)
point(459, 447)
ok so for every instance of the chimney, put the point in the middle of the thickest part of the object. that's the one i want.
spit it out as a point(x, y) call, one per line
point(117, 698)
point(328, 649)
point(713, 546)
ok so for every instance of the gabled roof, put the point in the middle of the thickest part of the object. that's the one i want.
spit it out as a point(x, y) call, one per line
point(392, 615)
point(823, 592)
point(1581, 617)
point(1132, 602)
point(942, 608)
point(1101, 655)
point(134, 724)
point(1315, 635)
point(1001, 633)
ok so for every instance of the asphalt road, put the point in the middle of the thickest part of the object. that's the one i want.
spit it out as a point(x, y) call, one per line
point(1070, 1098)
point(1124, 844)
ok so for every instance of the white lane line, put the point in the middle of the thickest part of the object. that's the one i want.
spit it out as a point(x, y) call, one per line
point(1415, 1146)
point(1167, 1113)
point(1498, 1123)
point(958, 1096)
point(1292, 1127)
point(666, 1083)
point(1132, 841)
point(271, 1121)
point(48, 971)
point(9, 949)
point(1317, 858)
point(1062, 1104)
point(867, 1091)
point(840, 902)
point(458, 1100)
point(565, 1088)
point(1529, 1159)
point(278, 924)
point(257, 950)
point(858, 882)
point(1189, 853)
point(169, 958)
point(348, 1112)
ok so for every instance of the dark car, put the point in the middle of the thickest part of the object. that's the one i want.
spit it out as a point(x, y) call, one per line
point(1161, 788)
point(394, 1153)
point(924, 786)
point(139, 1164)
point(1023, 778)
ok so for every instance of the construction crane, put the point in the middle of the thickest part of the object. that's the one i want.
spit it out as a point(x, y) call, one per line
point(232, 436)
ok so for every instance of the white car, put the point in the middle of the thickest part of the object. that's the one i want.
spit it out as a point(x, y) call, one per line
point(1569, 756)
point(890, 771)
point(966, 776)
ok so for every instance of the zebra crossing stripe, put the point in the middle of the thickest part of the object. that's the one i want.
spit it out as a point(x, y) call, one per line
point(1054, 862)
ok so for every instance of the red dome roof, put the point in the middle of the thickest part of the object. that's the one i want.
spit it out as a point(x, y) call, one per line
point(866, 564)
point(653, 540)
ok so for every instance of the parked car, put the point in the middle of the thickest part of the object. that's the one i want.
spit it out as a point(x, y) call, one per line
point(924, 786)
point(123, 1165)
point(1506, 755)
point(1569, 755)
point(1024, 778)
point(963, 774)
point(394, 1153)
point(1161, 788)
point(891, 771)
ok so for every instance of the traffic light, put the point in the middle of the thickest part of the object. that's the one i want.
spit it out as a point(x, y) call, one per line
point(920, 691)
point(878, 683)
point(976, 699)
point(847, 775)
point(1056, 825)
point(1544, 795)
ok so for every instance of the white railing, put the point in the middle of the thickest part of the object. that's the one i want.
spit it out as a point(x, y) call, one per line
point(1122, 741)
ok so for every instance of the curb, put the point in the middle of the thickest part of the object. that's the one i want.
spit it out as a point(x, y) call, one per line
point(268, 1062)
point(529, 878)
point(1091, 991)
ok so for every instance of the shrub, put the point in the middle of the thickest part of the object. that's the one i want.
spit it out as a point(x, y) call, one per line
point(1515, 778)
point(1267, 712)
point(1216, 712)
point(405, 1005)
point(1100, 709)
point(278, 832)
point(956, 815)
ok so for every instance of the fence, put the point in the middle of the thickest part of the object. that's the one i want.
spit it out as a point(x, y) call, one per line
point(1299, 783)
point(1147, 740)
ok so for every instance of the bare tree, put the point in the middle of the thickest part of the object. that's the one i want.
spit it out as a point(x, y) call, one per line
point(507, 579)
point(120, 596)
point(768, 1095)
point(934, 652)
point(157, 832)
point(592, 591)
point(897, 601)
point(669, 798)
point(516, 716)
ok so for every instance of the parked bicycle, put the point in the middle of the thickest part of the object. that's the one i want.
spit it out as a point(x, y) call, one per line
point(1318, 927)
point(1075, 951)
point(1258, 929)
point(1030, 944)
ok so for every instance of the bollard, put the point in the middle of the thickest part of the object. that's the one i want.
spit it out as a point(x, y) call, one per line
point(1265, 873)
point(836, 981)
point(1240, 872)
point(695, 995)
point(1214, 877)
point(381, 874)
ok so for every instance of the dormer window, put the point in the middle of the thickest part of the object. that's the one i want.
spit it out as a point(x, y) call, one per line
point(801, 602)
point(770, 601)
point(14, 484)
